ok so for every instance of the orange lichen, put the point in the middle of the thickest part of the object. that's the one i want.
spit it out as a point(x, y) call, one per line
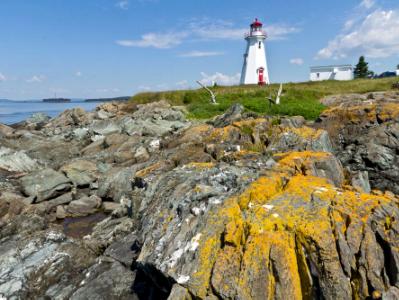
point(149, 170)
point(200, 165)
point(269, 225)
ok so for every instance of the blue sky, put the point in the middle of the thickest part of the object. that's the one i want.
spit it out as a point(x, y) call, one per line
point(104, 48)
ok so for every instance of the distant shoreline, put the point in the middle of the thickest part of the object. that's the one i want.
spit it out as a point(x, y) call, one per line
point(56, 100)
point(124, 98)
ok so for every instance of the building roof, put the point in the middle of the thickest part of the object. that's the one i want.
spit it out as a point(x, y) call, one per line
point(330, 67)
point(256, 23)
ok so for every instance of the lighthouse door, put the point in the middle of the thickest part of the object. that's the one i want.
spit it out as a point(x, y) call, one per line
point(261, 80)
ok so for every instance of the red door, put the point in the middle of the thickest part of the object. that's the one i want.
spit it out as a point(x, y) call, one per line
point(260, 74)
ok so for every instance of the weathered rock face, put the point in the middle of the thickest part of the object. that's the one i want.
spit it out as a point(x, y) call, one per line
point(365, 133)
point(44, 184)
point(292, 233)
point(242, 207)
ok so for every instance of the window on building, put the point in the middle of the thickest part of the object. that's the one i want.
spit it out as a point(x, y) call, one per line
point(260, 45)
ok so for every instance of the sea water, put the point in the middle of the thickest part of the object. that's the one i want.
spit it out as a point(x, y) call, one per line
point(12, 112)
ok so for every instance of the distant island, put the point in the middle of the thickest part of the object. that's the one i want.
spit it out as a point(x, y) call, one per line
point(57, 100)
point(124, 98)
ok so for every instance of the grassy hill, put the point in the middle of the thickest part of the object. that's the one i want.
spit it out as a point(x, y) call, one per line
point(298, 98)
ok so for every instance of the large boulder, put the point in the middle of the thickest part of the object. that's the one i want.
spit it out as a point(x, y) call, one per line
point(45, 184)
point(295, 232)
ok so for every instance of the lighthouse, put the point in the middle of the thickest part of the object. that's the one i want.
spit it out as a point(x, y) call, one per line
point(254, 70)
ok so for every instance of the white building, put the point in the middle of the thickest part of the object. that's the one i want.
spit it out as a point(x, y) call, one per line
point(254, 70)
point(340, 72)
point(397, 71)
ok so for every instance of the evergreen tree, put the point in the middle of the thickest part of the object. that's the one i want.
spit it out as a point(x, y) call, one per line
point(362, 68)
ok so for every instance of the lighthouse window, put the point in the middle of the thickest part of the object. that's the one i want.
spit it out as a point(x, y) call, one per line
point(260, 45)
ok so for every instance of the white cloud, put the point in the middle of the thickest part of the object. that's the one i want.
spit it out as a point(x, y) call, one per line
point(201, 54)
point(367, 4)
point(205, 30)
point(2, 77)
point(123, 4)
point(280, 32)
point(220, 79)
point(78, 74)
point(376, 35)
point(156, 40)
point(296, 61)
point(225, 31)
point(36, 79)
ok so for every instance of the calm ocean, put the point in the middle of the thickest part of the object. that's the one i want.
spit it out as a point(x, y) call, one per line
point(15, 111)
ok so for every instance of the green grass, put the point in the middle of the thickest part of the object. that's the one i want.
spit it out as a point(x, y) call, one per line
point(298, 98)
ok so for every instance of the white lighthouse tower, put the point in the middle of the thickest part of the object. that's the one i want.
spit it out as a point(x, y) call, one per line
point(254, 70)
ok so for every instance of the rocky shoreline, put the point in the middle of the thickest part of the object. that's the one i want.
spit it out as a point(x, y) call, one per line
point(138, 202)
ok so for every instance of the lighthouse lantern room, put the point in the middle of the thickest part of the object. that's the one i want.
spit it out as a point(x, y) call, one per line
point(254, 70)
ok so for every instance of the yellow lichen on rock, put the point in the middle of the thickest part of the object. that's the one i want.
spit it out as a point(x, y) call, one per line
point(258, 243)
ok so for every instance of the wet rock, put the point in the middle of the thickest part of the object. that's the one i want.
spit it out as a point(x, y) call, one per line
point(44, 184)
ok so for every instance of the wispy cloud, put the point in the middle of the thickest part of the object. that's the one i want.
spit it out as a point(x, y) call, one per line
point(205, 30)
point(296, 61)
point(367, 4)
point(156, 40)
point(375, 35)
point(124, 4)
point(201, 54)
point(2, 77)
point(182, 84)
point(36, 79)
point(220, 78)
point(78, 74)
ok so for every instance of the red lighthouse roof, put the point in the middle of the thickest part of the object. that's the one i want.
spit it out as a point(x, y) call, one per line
point(256, 23)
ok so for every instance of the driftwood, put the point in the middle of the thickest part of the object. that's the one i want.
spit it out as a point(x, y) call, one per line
point(213, 95)
point(277, 100)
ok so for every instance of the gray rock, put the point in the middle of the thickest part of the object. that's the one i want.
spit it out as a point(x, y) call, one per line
point(109, 207)
point(5, 130)
point(116, 183)
point(16, 161)
point(83, 207)
point(38, 118)
point(106, 280)
point(45, 184)
point(105, 127)
point(141, 154)
point(360, 180)
point(81, 172)
point(233, 114)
